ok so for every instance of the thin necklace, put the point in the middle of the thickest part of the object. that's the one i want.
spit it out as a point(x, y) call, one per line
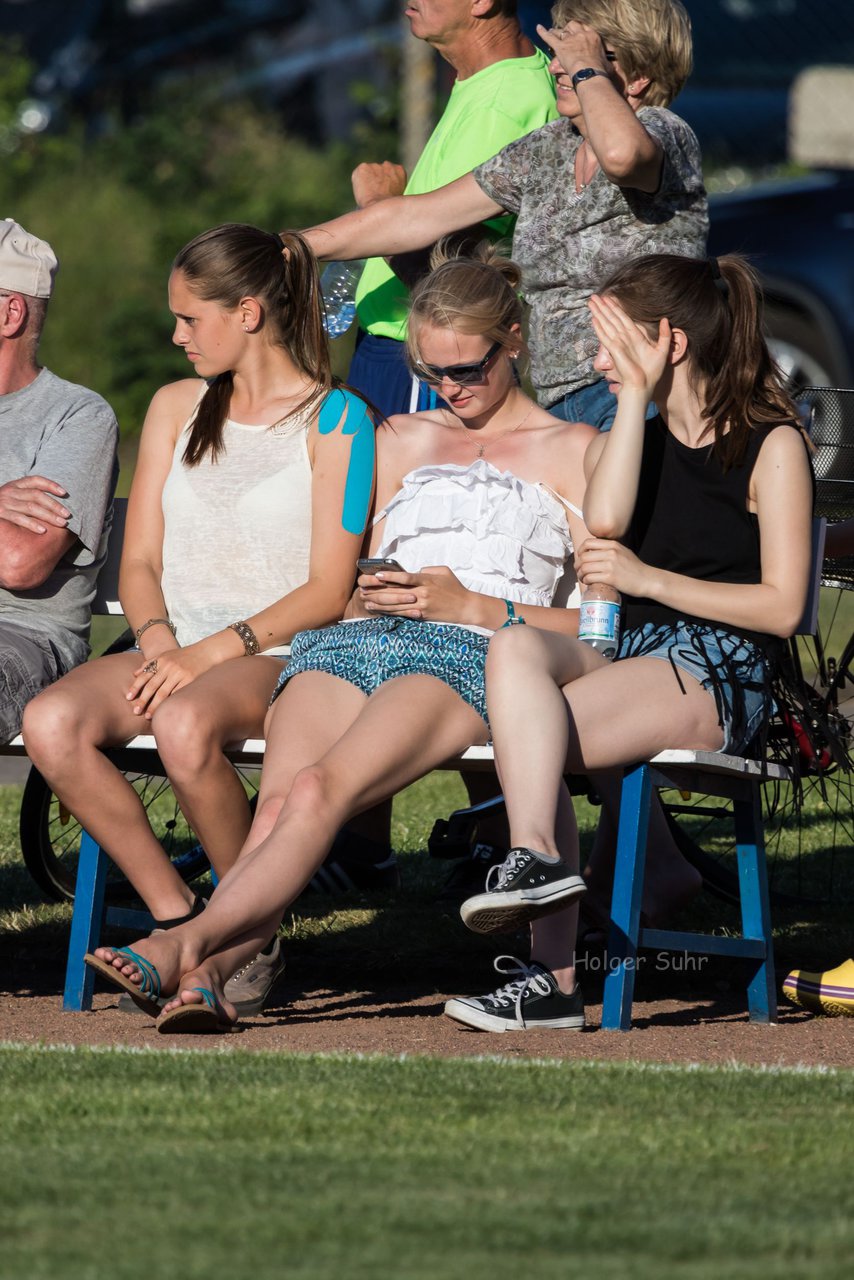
point(481, 446)
point(582, 186)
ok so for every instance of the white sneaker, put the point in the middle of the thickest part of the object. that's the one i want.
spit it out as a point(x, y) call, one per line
point(249, 988)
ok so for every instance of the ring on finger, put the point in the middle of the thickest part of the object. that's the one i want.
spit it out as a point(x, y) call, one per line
point(150, 668)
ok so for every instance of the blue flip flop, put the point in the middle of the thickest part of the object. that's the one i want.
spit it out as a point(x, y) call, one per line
point(146, 994)
point(200, 1019)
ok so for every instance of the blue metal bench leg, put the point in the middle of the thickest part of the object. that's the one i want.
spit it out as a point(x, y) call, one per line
point(635, 801)
point(755, 907)
point(86, 921)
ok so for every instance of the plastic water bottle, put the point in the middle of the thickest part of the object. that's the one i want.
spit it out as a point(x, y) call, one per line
point(338, 286)
point(599, 618)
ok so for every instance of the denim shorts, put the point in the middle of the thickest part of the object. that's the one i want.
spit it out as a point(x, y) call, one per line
point(28, 664)
point(369, 652)
point(730, 667)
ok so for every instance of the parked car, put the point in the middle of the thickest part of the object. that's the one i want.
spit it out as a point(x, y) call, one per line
point(747, 54)
point(800, 236)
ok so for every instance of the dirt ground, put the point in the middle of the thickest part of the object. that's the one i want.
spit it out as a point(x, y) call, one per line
point(708, 1025)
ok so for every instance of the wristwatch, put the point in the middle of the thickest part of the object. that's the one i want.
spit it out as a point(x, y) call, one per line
point(587, 73)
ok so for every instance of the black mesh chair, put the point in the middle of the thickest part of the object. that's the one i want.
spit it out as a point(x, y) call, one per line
point(828, 414)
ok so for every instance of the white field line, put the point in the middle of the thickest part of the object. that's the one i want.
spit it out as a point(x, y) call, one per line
point(631, 1066)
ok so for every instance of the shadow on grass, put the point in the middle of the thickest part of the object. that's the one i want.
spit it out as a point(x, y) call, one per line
point(372, 955)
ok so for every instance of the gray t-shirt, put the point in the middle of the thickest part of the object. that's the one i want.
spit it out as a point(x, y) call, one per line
point(65, 433)
point(568, 243)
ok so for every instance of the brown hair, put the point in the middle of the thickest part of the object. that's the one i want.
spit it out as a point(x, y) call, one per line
point(650, 38)
point(474, 294)
point(235, 261)
point(717, 302)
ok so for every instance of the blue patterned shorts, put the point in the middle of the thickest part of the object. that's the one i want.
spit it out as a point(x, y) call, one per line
point(728, 666)
point(370, 652)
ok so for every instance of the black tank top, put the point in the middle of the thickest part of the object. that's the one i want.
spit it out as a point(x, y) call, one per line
point(691, 518)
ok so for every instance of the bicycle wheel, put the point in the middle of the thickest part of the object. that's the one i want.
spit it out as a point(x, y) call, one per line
point(50, 835)
point(809, 847)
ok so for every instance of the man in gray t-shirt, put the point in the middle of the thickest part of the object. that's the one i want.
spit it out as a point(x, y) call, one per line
point(57, 476)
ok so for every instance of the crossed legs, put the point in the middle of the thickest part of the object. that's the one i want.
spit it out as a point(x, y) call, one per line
point(555, 706)
point(66, 726)
point(331, 753)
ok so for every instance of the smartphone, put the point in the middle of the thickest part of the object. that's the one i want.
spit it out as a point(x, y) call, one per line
point(368, 565)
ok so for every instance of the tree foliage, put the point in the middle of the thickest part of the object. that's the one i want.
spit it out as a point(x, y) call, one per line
point(117, 208)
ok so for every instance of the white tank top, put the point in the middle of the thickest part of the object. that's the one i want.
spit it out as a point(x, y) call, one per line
point(237, 530)
point(500, 535)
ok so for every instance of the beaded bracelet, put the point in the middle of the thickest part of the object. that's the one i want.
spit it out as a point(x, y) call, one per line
point(248, 636)
point(156, 622)
point(513, 619)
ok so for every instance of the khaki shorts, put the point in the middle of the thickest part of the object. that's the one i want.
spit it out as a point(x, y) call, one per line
point(28, 664)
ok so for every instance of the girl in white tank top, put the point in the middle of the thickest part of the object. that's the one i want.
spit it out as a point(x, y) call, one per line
point(246, 515)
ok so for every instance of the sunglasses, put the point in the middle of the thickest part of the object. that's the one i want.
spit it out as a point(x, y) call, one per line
point(610, 55)
point(462, 375)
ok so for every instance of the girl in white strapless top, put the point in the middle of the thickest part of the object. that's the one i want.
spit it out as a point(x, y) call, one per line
point(480, 505)
point(246, 515)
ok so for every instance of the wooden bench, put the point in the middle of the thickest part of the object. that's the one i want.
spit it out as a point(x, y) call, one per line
point(733, 777)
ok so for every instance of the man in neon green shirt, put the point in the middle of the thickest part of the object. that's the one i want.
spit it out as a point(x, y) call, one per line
point(502, 91)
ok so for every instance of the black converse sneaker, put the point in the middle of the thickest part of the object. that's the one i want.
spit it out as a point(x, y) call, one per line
point(526, 885)
point(525, 1003)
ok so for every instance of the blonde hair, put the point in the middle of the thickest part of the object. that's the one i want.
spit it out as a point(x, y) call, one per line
point(650, 38)
point(473, 294)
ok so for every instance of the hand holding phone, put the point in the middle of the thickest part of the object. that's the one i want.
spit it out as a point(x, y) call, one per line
point(377, 563)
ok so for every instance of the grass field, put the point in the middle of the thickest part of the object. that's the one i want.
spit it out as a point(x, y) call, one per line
point(238, 1165)
point(153, 1165)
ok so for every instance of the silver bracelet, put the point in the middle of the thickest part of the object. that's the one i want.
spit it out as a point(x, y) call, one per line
point(248, 636)
point(156, 622)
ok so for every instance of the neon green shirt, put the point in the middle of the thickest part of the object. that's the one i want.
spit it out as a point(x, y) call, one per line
point(486, 111)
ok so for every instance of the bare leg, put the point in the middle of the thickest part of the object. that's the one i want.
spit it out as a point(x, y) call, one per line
point(553, 937)
point(64, 727)
point(612, 716)
point(531, 728)
point(404, 730)
point(192, 728)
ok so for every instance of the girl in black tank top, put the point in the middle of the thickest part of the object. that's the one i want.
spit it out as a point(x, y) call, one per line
point(700, 518)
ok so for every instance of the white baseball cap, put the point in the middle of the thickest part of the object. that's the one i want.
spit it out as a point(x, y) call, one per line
point(27, 264)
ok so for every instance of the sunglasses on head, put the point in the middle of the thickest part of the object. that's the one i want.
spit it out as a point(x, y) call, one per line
point(463, 375)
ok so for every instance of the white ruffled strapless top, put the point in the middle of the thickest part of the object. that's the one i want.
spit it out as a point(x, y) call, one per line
point(500, 535)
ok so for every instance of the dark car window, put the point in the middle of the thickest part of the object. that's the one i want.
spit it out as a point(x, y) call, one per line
point(767, 42)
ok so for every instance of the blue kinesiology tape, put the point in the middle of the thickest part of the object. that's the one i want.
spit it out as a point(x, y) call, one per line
point(360, 473)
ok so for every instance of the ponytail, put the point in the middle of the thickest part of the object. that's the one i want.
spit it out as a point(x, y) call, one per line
point(234, 261)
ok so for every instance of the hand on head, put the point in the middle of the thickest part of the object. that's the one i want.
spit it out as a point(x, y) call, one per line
point(637, 360)
point(576, 46)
